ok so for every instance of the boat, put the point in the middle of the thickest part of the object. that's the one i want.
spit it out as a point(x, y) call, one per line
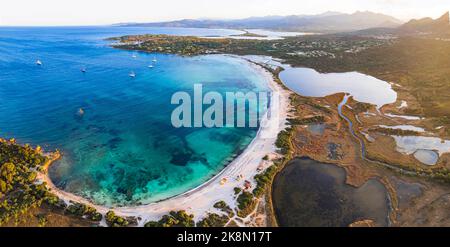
point(151, 66)
point(134, 56)
point(132, 74)
point(154, 60)
point(38, 62)
point(83, 70)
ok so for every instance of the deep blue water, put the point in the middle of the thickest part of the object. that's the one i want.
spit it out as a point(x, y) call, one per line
point(123, 150)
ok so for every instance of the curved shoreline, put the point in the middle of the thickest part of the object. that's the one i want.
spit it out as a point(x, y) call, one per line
point(201, 199)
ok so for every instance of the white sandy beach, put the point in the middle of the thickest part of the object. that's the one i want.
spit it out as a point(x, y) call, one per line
point(200, 201)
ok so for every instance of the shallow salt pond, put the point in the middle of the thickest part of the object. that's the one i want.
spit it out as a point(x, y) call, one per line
point(410, 144)
point(403, 116)
point(403, 127)
point(428, 157)
point(425, 149)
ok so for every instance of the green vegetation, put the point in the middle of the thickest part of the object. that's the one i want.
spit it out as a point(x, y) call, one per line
point(264, 179)
point(246, 204)
point(304, 121)
point(237, 190)
point(397, 132)
point(18, 190)
point(249, 34)
point(220, 204)
point(213, 220)
point(442, 174)
point(115, 221)
point(223, 206)
point(42, 220)
point(283, 141)
point(330, 46)
point(82, 210)
point(174, 219)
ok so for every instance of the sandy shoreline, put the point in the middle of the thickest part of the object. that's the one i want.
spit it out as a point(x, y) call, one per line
point(199, 201)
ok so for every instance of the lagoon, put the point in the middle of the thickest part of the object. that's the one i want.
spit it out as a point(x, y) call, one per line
point(363, 88)
point(309, 82)
point(314, 194)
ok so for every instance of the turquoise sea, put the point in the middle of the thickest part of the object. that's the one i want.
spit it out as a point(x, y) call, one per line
point(123, 150)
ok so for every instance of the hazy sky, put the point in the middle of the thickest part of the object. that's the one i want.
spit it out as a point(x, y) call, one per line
point(98, 12)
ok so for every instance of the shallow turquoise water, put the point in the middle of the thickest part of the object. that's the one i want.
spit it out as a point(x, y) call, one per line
point(123, 150)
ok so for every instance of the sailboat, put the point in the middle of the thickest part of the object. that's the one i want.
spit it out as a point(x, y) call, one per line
point(132, 74)
point(38, 62)
point(154, 60)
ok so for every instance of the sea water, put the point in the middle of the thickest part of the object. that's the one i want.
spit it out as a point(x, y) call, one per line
point(115, 133)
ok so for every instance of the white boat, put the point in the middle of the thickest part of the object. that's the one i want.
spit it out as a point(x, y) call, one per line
point(154, 60)
point(38, 62)
point(150, 66)
point(134, 56)
point(132, 74)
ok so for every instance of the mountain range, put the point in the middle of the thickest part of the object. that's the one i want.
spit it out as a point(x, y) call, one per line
point(427, 25)
point(439, 27)
point(325, 22)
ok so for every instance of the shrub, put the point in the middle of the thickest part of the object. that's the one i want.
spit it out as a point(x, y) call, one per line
point(283, 141)
point(213, 220)
point(246, 204)
point(263, 179)
point(237, 190)
point(223, 206)
point(174, 219)
point(115, 221)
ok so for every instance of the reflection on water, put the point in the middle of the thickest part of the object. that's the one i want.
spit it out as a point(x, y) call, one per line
point(410, 144)
point(403, 116)
point(310, 193)
point(363, 88)
point(309, 82)
point(428, 157)
point(425, 149)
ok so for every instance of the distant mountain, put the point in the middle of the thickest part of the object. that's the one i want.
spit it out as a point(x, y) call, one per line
point(438, 28)
point(326, 22)
point(427, 25)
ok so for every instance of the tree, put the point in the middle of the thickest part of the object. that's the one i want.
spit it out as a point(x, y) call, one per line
point(8, 172)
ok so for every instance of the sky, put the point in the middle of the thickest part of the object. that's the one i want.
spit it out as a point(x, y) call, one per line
point(103, 12)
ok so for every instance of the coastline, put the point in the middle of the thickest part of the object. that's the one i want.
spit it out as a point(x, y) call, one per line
point(200, 200)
